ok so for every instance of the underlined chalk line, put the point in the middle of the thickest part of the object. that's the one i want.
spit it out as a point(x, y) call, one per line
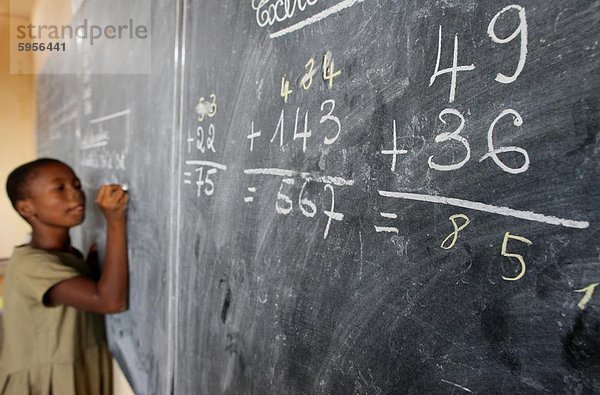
point(387, 229)
point(206, 163)
point(307, 176)
point(96, 144)
point(111, 116)
point(506, 211)
point(316, 18)
point(457, 385)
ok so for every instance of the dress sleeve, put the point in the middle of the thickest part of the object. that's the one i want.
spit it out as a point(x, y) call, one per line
point(41, 271)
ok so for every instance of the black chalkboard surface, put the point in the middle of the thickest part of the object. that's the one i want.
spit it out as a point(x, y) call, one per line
point(119, 128)
point(361, 196)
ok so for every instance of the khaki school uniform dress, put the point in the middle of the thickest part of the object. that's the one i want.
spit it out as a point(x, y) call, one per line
point(47, 350)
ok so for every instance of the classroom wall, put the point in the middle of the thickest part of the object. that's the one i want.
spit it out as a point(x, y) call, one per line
point(17, 104)
point(17, 117)
point(49, 12)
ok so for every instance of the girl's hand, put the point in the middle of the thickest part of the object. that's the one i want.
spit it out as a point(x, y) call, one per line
point(112, 200)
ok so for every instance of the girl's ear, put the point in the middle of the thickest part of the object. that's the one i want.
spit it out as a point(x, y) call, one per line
point(25, 209)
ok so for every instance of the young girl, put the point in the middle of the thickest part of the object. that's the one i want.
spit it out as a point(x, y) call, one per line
point(54, 340)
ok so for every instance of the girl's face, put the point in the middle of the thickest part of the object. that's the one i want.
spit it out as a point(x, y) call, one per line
point(56, 197)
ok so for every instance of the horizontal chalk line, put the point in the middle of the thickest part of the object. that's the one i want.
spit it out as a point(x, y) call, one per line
point(389, 215)
point(506, 211)
point(316, 18)
point(206, 163)
point(387, 229)
point(307, 176)
point(111, 116)
point(457, 385)
point(89, 146)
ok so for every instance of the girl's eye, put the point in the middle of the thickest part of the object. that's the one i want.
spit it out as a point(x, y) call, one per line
point(61, 187)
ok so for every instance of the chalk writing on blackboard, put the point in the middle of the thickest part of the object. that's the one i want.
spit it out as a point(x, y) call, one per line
point(488, 208)
point(394, 151)
point(507, 237)
point(450, 241)
point(286, 200)
point(453, 71)
point(279, 11)
point(520, 31)
point(205, 170)
point(328, 74)
point(206, 108)
point(253, 134)
point(587, 295)
point(96, 148)
point(202, 143)
point(295, 125)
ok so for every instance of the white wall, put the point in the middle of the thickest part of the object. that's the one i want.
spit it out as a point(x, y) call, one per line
point(16, 131)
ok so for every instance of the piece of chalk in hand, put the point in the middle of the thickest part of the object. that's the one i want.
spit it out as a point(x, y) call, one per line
point(125, 187)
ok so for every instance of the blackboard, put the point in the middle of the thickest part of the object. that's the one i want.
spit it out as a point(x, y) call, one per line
point(120, 128)
point(361, 197)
